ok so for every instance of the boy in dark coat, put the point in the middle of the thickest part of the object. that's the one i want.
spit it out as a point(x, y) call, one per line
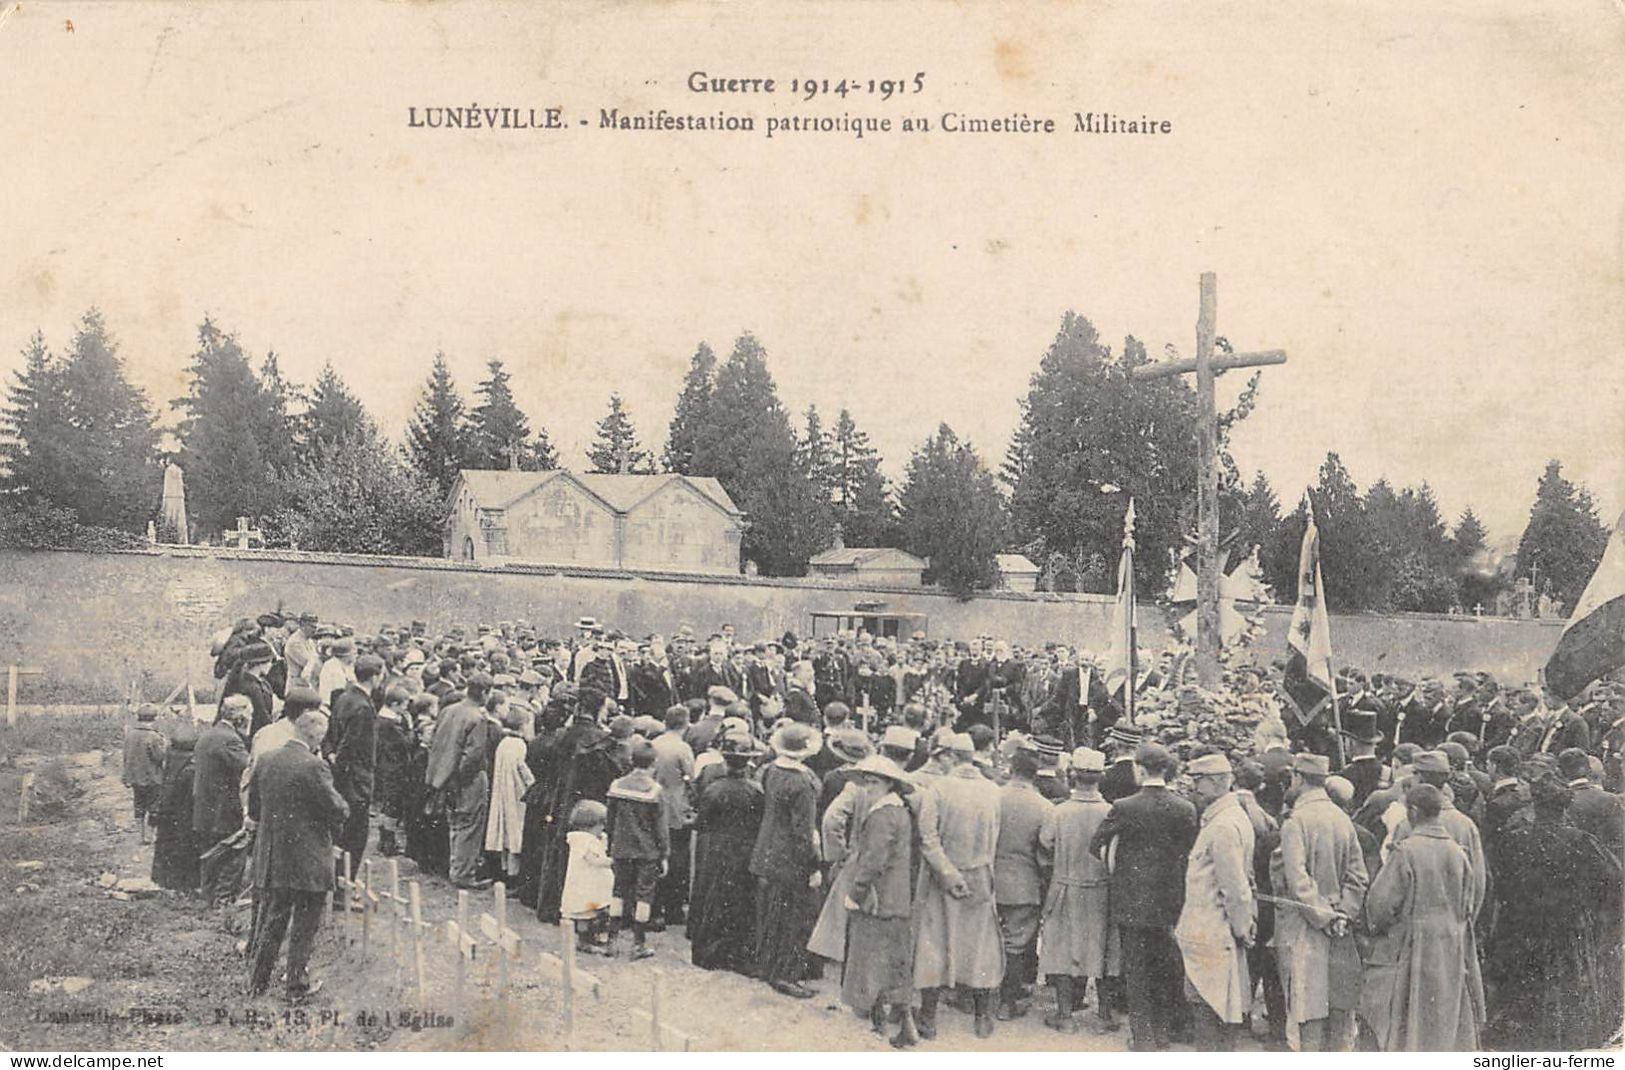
point(144, 748)
point(639, 843)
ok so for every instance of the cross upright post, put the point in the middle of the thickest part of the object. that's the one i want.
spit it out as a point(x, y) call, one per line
point(1207, 448)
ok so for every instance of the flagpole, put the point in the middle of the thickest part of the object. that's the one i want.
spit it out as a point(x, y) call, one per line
point(1129, 621)
point(1133, 669)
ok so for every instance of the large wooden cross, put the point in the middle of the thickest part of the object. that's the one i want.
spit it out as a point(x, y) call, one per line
point(1207, 439)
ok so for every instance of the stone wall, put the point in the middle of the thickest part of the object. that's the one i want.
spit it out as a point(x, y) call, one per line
point(96, 622)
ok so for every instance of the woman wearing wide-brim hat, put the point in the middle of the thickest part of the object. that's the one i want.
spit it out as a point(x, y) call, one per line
point(785, 861)
point(878, 977)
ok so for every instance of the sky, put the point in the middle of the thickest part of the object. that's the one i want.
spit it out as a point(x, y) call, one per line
point(1420, 202)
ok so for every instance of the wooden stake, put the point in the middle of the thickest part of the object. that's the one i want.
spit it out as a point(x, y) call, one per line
point(12, 672)
point(458, 955)
point(416, 921)
point(22, 803)
point(500, 890)
point(395, 916)
point(654, 1010)
point(366, 906)
point(338, 881)
point(349, 886)
point(567, 947)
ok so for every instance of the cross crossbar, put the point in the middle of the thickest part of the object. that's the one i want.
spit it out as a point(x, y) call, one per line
point(1164, 369)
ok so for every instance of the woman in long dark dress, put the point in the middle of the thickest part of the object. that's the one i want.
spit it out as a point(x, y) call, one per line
point(427, 840)
point(175, 852)
point(722, 906)
point(785, 861)
point(1555, 982)
point(586, 768)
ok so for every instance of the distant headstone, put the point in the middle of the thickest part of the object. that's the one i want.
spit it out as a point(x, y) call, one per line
point(244, 533)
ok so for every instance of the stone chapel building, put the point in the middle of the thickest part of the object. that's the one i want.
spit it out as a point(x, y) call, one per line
point(669, 523)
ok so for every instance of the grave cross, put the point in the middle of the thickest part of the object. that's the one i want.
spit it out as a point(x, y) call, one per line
point(1207, 437)
point(244, 533)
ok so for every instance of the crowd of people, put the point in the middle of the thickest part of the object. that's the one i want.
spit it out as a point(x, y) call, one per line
point(955, 825)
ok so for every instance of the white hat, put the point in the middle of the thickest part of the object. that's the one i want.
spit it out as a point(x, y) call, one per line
point(1088, 760)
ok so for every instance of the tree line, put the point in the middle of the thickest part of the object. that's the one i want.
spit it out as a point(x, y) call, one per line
point(82, 469)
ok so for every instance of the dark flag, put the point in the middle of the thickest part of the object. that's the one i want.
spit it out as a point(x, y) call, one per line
point(1593, 641)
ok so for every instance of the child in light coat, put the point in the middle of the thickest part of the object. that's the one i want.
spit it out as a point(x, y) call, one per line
point(589, 878)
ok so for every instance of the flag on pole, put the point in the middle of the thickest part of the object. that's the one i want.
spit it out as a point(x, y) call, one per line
point(1593, 641)
point(1309, 681)
point(1120, 668)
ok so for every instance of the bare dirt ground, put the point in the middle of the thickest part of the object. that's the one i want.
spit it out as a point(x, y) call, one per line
point(81, 969)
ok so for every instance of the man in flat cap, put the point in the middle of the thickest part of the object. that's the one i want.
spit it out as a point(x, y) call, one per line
point(957, 940)
point(1079, 941)
point(460, 768)
point(1433, 767)
point(1324, 870)
point(1217, 922)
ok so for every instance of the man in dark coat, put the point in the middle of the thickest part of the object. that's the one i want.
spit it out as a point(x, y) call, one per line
point(218, 762)
point(1002, 684)
point(292, 797)
point(1153, 830)
point(1364, 769)
point(352, 747)
point(799, 702)
point(585, 754)
point(654, 683)
point(715, 671)
point(1120, 780)
point(1062, 714)
point(1592, 810)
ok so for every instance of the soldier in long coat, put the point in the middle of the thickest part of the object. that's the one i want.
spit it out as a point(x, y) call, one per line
point(1322, 868)
point(956, 925)
point(1421, 989)
point(1216, 924)
point(1079, 940)
point(1019, 879)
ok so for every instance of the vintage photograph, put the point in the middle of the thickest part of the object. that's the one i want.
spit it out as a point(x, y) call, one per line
point(1053, 527)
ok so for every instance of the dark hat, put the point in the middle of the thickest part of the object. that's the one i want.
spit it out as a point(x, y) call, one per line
point(308, 617)
point(1361, 725)
point(270, 620)
point(1125, 735)
point(257, 654)
point(482, 681)
point(300, 699)
point(147, 712)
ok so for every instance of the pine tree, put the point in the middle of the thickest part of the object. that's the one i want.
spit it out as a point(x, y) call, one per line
point(616, 448)
point(436, 439)
point(1347, 558)
point(816, 451)
point(221, 428)
point(1085, 425)
point(1478, 578)
point(333, 416)
point(748, 445)
point(500, 432)
point(277, 434)
point(864, 506)
point(107, 465)
point(1564, 540)
point(693, 412)
point(953, 515)
point(33, 423)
